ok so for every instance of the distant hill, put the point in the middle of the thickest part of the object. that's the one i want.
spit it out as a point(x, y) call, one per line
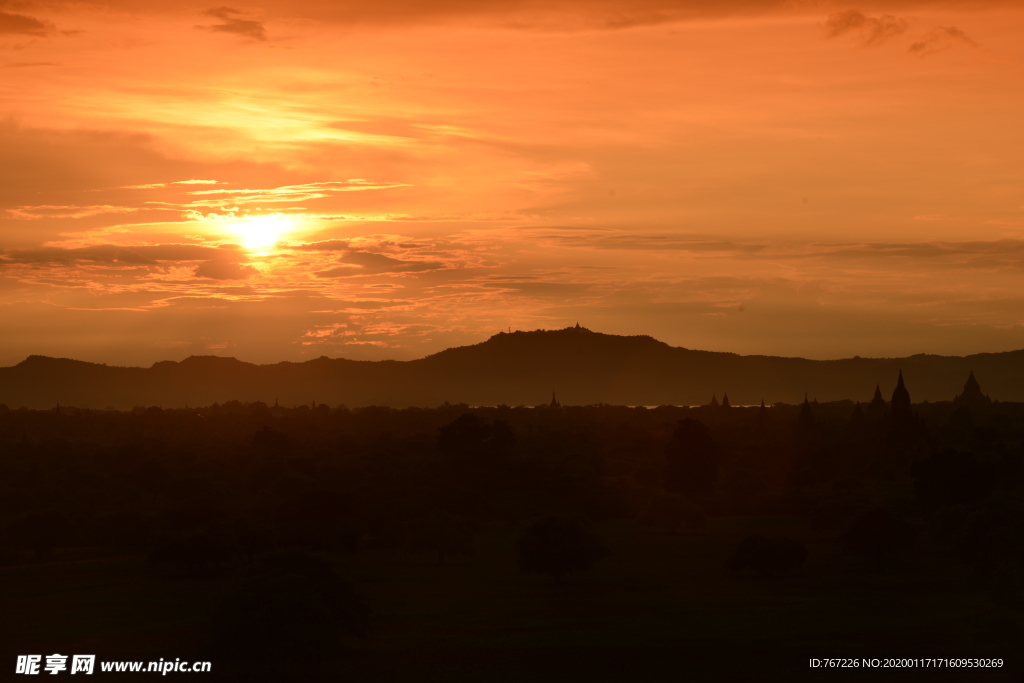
point(519, 368)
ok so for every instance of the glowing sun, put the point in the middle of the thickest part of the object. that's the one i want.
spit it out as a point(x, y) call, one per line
point(260, 232)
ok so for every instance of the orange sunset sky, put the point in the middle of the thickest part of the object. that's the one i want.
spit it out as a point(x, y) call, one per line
point(285, 180)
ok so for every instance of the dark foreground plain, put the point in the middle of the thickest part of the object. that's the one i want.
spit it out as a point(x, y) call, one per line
point(659, 608)
point(386, 545)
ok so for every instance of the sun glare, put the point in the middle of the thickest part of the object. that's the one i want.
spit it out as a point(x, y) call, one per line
point(260, 232)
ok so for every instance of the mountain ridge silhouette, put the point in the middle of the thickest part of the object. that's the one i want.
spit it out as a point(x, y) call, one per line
point(513, 368)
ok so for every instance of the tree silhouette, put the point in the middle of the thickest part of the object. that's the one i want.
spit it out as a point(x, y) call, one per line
point(271, 439)
point(471, 439)
point(556, 546)
point(294, 608)
point(691, 459)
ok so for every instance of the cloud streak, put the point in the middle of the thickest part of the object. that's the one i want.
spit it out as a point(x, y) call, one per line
point(51, 211)
point(939, 39)
point(356, 263)
point(21, 24)
point(870, 30)
point(225, 269)
point(110, 254)
point(233, 24)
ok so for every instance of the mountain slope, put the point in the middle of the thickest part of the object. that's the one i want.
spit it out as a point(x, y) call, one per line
point(519, 368)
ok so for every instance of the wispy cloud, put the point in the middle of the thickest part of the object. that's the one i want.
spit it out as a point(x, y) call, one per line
point(870, 30)
point(325, 245)
point(227, 196)
point(151, 186)
point(939, 39)
point(232, 23)
point(355, 263)
point(51, 211)
point(225, 269)
point(21, 24)
point(111, 254)
point(25, 65)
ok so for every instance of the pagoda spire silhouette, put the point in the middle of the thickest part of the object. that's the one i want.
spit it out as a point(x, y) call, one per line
point(900, 412)
point(807, 418)
point(971, 386)
point(858, 421)
point(762, 415)
point(725, 400)
point(877, 408)
point(900, 395)
point(714, 401)
point(554, 401)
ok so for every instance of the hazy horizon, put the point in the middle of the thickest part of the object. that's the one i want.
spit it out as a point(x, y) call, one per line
point(181, 357)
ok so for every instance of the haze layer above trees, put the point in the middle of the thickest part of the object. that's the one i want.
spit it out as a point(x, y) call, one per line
point(519, 368)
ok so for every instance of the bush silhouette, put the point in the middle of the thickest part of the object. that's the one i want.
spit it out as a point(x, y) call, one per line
point(293, 608)
point(556, 546)
point(768, 556)
point(41, 532)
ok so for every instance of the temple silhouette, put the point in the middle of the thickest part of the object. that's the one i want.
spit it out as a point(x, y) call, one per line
point(899, 407)
point(972, 396)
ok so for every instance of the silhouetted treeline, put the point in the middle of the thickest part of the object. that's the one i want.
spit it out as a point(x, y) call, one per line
point(374, 465)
